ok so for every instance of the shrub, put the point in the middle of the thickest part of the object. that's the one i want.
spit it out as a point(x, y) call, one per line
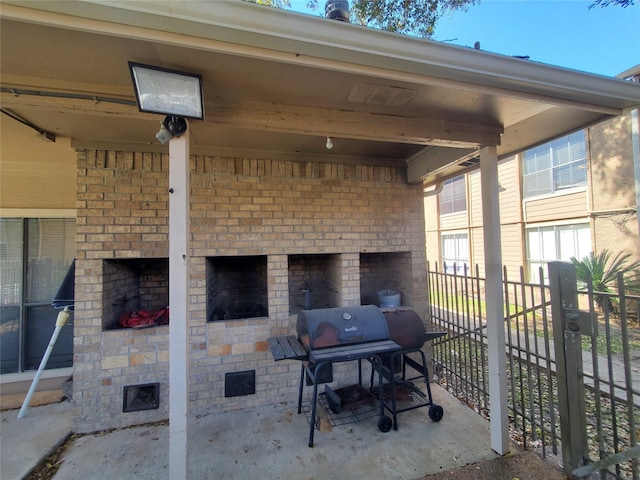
point(603, 270)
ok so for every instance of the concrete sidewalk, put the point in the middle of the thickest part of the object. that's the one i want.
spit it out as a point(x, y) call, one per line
point(267, 443)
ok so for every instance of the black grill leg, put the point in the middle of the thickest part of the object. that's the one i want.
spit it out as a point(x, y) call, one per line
point(300, 389)
point(314, 402)
point(394, 408)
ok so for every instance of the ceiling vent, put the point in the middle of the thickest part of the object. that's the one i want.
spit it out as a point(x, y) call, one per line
point(471, 162)
point(337, 10)
point(380, 95)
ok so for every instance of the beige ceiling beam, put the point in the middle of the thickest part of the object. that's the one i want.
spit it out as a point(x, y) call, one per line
point(429, 162)
point(356, 125)
point(289, 119)
point(48, 103)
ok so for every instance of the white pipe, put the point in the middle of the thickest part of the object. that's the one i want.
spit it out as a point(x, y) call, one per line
point(61, 321)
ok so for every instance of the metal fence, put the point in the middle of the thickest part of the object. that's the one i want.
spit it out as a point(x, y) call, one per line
point(609, 369)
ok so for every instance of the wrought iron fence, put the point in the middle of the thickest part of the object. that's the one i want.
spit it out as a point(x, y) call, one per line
point(610, 368)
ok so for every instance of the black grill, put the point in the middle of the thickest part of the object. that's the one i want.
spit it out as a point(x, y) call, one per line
point(333, 335)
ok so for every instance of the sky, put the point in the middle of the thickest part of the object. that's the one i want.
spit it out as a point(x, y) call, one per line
point(564, 33)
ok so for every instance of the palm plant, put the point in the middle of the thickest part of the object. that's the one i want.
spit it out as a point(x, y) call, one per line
point(603, 271)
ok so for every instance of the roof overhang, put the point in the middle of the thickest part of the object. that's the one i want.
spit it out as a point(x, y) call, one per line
point(277, 83)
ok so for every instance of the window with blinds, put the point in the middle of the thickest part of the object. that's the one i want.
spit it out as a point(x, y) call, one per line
point(555, 166)
point(35, 254)
point(455, 252)
point(453, 198)
point(556, 242)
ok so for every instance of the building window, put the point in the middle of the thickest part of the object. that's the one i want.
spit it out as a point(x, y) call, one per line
point(455, 253)
point(555, 166)
point(453, 198)
point(35, 255)
point(551, 243)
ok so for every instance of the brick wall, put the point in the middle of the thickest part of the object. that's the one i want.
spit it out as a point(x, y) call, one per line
point(239, 207)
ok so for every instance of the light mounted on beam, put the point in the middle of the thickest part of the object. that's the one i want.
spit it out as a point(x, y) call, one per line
point(167, 92)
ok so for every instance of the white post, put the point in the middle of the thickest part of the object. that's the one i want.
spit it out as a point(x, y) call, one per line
point(179, 305)
point(495, 301)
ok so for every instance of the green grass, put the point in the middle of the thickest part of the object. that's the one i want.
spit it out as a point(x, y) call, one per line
point(601, 344)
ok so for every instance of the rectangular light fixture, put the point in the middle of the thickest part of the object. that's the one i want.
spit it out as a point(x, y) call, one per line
point(168, 92)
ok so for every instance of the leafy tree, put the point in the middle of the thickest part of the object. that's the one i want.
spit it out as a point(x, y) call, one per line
point(409, 17)
point(603, 272)
point(606, 3)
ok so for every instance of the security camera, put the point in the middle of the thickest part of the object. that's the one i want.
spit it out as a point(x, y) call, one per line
point(171, 127)
point(163, 134)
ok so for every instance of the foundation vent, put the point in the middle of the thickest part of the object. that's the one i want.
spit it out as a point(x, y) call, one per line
point(141, 397)
point(237, 384)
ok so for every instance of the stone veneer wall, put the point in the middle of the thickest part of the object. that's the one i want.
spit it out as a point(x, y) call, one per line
point(239, 206)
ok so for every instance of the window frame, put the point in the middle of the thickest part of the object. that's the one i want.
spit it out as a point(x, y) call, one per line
point(458, 260)
point(31, 301)
point(557, 230)
point(448, 196)
point(550, 153)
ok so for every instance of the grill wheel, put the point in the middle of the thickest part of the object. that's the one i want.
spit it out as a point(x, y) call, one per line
point(436, 412)
point(384, 424)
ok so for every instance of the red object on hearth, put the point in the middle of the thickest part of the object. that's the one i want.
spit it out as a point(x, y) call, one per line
point(144, 319)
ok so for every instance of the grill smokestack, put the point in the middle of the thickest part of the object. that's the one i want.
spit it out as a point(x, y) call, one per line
point(337, 10)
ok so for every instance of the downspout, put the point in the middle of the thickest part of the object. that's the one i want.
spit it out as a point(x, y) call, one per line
point(635, 142)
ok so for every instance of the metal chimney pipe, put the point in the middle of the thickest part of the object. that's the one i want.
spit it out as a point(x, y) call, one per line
point(337, 10)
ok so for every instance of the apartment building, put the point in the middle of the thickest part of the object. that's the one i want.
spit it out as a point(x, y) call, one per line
point(564, 198)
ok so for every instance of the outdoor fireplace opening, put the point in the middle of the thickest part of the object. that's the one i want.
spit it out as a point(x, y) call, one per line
point(389, 271)
point(236, 287)
point(132, 285)
point(313, 281)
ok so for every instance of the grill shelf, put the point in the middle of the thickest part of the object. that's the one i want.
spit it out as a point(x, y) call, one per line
point(353, 413)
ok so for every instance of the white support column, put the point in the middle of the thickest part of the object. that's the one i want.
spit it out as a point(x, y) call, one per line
point(495, 301)
point(179, 306)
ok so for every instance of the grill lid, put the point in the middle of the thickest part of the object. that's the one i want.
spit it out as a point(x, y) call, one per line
point(333, 327)
point(405, 327)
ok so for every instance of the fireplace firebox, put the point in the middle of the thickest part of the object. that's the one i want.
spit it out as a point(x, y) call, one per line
point(236, 287)
point(131, 285)
point(313, 281)
point(384, 271)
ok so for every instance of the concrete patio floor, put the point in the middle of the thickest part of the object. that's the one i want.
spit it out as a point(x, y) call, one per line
point(268, 442)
